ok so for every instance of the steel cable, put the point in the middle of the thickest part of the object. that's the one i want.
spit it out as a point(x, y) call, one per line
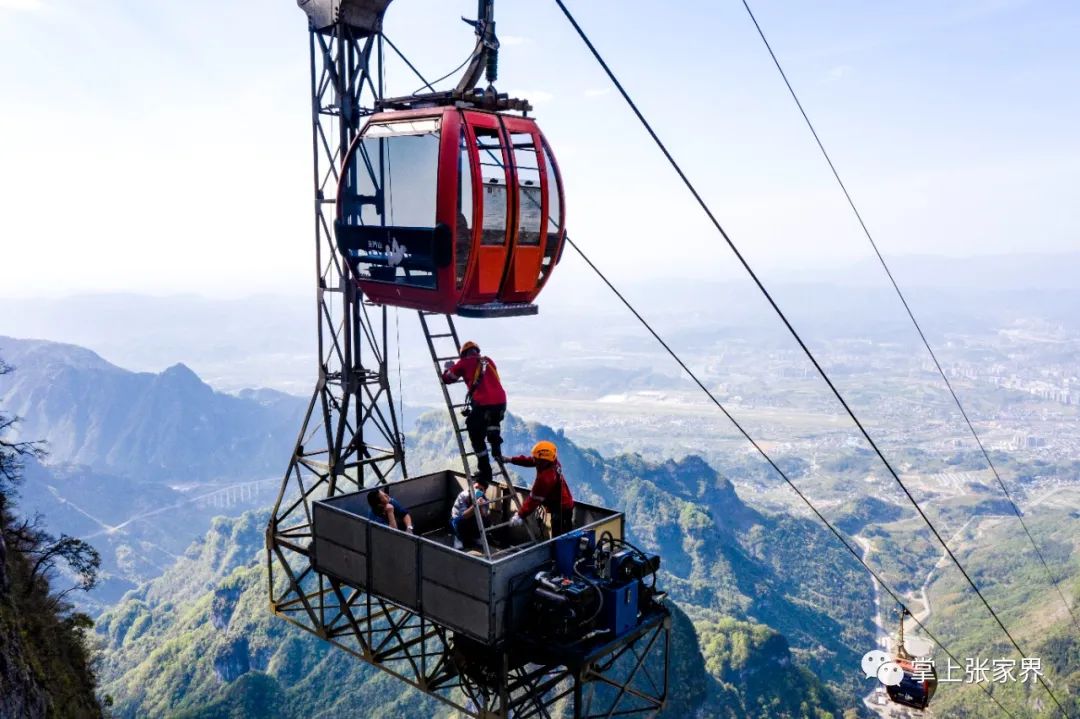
point(772, 463)
point(911, 315)
point(794, 333)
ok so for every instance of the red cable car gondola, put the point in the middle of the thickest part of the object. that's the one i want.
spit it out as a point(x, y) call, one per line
point(919, 680)
point(451, 210)
point(916, 687)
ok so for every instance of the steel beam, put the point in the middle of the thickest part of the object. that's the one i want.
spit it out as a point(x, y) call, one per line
point(350, 437)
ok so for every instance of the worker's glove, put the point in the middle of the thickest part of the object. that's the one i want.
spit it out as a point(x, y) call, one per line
point(516, 521)
point(447, 364)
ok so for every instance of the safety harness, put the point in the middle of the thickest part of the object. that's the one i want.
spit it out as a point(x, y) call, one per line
point(478, 375)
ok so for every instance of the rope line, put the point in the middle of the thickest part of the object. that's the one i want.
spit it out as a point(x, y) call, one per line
point(791, 329)
point(772, 463)
point(911, 314)
point(429, 85)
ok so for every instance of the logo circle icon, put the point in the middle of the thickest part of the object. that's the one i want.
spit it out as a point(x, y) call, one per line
point(872, 662)
point(890, 674)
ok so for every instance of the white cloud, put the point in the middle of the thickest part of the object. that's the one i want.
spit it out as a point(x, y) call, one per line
point(839, 72)
point(24, 5)
point(597, 92)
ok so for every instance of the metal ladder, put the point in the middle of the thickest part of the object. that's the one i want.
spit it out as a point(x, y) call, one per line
point(499, 476)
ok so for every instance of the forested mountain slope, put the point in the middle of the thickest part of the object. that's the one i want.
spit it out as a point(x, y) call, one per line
point(201, 640)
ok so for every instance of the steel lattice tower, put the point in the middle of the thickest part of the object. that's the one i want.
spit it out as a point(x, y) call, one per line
point(350, 437)
point(350, 433)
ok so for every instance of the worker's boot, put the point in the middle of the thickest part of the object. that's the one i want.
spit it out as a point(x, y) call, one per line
point(483, 473)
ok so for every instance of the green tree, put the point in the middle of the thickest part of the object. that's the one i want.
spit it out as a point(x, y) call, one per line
point(27, 536)
point(44, 661)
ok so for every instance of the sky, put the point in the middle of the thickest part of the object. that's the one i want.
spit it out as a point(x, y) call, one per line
point(163, 147)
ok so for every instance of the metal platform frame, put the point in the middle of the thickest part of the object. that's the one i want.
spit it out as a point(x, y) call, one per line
point(627, 676)
point(350, 437)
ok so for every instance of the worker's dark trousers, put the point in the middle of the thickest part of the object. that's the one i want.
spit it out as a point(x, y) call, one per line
point(562, 521)
point(485, 423)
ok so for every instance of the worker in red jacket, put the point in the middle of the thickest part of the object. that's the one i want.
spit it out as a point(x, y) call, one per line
point(485, 404)
point(550, 489)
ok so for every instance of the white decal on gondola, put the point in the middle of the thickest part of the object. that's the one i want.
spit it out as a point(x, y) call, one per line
point(395, 253)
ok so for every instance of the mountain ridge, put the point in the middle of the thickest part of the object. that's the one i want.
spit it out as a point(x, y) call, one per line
point(167, 426)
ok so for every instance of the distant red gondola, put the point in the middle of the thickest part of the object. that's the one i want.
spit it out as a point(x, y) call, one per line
point(451, 210)
point(919, 681)
point(916, 687)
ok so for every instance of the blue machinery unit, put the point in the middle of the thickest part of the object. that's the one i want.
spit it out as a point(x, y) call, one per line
point(595, 590)
point(567, 626)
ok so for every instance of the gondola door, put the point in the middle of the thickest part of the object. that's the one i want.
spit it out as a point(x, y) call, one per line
point(531, 207)
point(496, 200)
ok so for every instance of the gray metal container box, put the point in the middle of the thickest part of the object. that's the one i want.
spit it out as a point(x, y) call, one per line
point(465, 592)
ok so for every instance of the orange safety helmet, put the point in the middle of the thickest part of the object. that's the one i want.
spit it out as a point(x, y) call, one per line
point(545, 451)
point(470, 345)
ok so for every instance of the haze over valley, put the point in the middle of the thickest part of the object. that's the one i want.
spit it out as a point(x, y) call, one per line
point(154, 429)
